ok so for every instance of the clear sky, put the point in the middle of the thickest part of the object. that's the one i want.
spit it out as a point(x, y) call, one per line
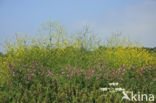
point(134, 18)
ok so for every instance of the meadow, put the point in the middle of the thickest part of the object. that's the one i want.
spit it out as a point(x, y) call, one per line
point(58, 68)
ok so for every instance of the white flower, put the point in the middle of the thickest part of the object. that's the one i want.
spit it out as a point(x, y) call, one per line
point(113, 84)
point(119, 89)
point(104, 89)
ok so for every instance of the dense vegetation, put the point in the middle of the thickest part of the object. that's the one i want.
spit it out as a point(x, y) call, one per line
point(62, 69)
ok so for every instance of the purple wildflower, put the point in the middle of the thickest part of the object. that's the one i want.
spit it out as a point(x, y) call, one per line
point(39, 72)
point(12, 67)
point(32, 74)
point(92, 72)
point(33, 67)
point(124, 65)
point(13, 74)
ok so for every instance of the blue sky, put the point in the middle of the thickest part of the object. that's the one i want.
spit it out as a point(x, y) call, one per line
point(134, 18)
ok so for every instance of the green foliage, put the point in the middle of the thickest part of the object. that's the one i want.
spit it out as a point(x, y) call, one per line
point(61, 69)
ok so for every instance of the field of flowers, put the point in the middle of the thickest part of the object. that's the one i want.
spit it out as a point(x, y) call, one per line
point(62, 69)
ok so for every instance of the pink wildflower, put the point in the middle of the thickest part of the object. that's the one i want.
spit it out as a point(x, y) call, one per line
point(12, 67)
point(124, 65)
point(33, 67)
point(79, 71)
point(100, 70)
point(39, 72)
point(99, 57)
point(9, 65)
point(24, 64)
point(49, 72)
point(62, 73)
point(32, 74)
point(13, 74)
point(41, 66)
point(119, 71)
point(92, 72)
point(30, 71)
point(122, 79)
point(142, 69)
point(29, 77)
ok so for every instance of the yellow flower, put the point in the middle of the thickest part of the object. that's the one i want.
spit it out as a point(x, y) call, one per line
point(65, 42)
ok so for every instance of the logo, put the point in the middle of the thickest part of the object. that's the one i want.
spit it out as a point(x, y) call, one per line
point(128, 95)
point(137, 97)
point(125, 96)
